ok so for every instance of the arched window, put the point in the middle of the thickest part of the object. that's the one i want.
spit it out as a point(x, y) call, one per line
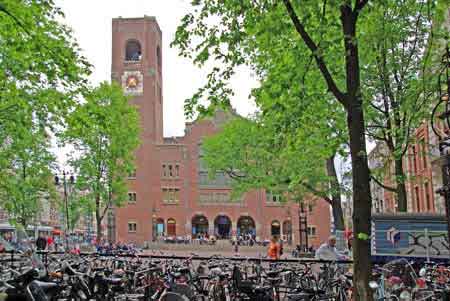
point(275, 228)
point(246, 226)
point(133, 51)
point(160, 227)
point(222, 227)
point(171, 227)
point(158, 58)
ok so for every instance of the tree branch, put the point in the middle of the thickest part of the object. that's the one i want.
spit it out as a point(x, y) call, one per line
point(7, 12)
point(392, 189)
point(314, 49)
point(232, 174)
point(318, 193)
point(359, 5)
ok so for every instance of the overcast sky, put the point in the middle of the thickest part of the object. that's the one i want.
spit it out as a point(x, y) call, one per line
point(91, 23)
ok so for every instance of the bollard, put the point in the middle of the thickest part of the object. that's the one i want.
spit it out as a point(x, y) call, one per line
point(427, 249)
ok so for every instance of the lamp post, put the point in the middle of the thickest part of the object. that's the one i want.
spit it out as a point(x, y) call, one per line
point(303, 228)
point(154, 224)
point(71, 182)
point(443, 135)
point(289, 232)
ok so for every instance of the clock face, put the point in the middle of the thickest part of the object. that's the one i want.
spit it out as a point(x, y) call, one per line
point(132, 82)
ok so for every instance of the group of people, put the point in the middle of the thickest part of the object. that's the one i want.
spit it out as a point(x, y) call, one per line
point(244, 240)
point(327, 251)
point(110, 248)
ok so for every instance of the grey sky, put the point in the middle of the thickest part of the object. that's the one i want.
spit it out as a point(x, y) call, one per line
point(91, 23)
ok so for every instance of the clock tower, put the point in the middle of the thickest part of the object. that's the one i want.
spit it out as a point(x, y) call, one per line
point(137, 67)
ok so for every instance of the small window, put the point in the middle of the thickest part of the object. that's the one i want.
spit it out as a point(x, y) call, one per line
point(164, 168)
point(131, 197)
point(310, 208)
point(428, 197)
point(311, 231)
point(170, 171)
point(133, 51)
point(177, 171)
point(416, 190)
point(273, 198)
point(414, 155)
point(171, 195)
point(132, 227)
point(158, 58)
point(424, 153)
point(159, 94)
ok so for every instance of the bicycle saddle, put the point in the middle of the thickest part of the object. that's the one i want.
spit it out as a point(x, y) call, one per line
point(183, 270)
point(262, 289)
point(45, 285)
point(272, 274)
point(298, 296)
point(273, 279)
point(113, 281)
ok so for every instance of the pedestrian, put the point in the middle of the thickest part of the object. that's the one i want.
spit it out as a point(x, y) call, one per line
point(274, 248)
point(41, 243)
point(236, 246)
point(350, 247)
point(328, 251)
point(49, 242)
point(281, 247)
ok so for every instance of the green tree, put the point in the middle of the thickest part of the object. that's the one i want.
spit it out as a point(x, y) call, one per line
point(397, 87)
point(105, 133)
point(28, 179)
point(41, 73)
point(264, 159)
point(279, 40)
point(41, 66)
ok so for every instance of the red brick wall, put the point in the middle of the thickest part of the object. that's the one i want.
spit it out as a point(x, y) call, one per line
point(153, 153)
point(420, 169)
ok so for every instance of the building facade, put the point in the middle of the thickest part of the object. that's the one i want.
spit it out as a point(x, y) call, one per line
point(424, 175)
point(170, 193)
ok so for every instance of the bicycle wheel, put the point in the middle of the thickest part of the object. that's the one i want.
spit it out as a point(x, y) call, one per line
point(169, 296)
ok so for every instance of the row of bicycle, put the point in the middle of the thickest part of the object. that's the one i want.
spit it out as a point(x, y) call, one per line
point(94, 277)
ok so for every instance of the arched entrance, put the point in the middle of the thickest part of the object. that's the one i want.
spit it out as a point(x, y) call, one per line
point(199, 225)
point(160, 227)
point(275, 228)
point(245, 226)
point(171, 227)
point(222, 227)
point(287, 231)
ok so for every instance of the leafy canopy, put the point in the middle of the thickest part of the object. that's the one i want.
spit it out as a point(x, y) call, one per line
point(105, 134)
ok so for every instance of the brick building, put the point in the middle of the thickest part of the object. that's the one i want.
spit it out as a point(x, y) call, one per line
point(170, 193)
point(422, 169)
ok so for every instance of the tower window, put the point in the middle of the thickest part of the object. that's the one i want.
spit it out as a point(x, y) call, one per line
point(158, 58)
point(133, 51)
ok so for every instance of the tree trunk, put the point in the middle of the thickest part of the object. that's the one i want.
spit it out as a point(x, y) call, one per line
point(336, 207)
point(401, 187)
point(98, 219)
point(362, 202)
